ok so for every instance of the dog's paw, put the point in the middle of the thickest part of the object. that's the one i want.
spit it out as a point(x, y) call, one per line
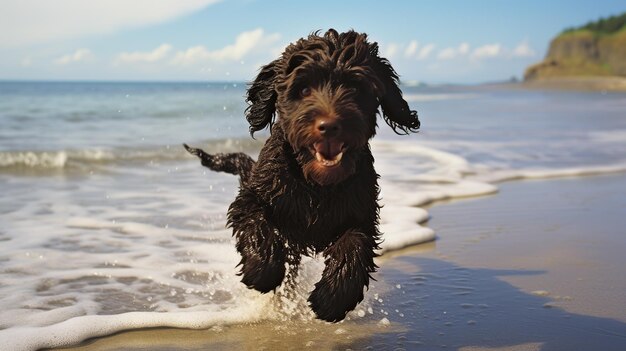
point(332, 304)
point(262, 276)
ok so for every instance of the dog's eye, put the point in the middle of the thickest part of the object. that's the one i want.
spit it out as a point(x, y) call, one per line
point(304, 92)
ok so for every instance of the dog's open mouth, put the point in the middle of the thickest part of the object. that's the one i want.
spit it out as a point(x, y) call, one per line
point(328, 153)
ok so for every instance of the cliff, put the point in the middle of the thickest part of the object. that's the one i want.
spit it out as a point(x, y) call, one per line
point(595, 49)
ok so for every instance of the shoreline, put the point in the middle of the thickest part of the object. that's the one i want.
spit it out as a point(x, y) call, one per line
point(613, 84)
point(582, 83)
point(546, 252)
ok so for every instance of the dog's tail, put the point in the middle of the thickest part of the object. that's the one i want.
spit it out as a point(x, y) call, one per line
point(234, 163)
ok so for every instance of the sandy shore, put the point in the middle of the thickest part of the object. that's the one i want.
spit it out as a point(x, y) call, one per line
point(539, 266)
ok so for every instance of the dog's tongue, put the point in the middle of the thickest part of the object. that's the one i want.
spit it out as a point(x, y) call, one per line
point(329, 149)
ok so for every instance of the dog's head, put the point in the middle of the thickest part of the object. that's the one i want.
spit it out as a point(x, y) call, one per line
point(327, 91)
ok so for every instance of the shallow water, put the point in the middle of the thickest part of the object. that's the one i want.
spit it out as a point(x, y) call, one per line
point(107, 225)
point(517, 271)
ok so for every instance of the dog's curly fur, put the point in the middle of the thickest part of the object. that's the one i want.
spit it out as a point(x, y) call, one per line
point(314, 188)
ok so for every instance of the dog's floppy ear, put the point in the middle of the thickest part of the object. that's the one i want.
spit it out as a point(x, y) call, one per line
point(261, 98)
point(396, 111)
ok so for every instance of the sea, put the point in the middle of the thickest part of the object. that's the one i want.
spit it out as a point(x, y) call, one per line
point(107, 224)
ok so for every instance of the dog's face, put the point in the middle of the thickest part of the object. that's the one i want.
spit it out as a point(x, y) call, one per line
point(327, 91)
point(327, 107)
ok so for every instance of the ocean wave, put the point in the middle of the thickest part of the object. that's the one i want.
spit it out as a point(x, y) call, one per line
point(58, 160)
point(33, 159)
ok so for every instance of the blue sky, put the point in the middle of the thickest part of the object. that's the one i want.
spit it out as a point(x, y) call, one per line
point(445, 41)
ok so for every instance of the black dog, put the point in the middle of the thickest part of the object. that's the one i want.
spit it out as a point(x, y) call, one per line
point(314, 188)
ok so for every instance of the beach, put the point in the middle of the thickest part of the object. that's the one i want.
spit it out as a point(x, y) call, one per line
point(506, 273)
point(502, 224)
point(591, 83)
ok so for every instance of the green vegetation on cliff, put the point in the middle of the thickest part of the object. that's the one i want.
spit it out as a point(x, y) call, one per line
point(603, 26)
point(595, 49)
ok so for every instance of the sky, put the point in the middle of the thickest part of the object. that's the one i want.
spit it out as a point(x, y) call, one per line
point(431, 41)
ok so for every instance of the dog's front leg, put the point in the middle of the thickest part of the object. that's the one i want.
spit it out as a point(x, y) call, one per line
point(262, 250)
point(349, 262)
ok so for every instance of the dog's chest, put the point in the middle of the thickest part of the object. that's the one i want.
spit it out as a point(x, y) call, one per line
point(314, 218)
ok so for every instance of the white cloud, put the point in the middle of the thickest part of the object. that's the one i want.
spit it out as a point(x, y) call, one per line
point(391, 50)
point(447, 53)
point(450, 53)
point(425, 51)
point(78, 56)
point(138, 56)
point(487, 51)
point(411, 49)
point(25, 22)
point(245, 43)
point(463, 48)
point(523, 50)
point(192, 55)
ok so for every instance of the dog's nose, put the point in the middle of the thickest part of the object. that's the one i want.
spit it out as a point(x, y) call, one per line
point(328, 127)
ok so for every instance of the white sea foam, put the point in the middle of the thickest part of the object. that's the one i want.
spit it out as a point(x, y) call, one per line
point(33, 159)
point(401, 229)
point(61, 159)
point(509, 175)
point(74, 330)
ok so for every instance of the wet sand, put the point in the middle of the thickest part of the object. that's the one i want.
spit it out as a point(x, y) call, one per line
point(538, 266)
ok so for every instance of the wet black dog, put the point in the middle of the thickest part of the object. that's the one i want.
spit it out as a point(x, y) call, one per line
point(314, 188)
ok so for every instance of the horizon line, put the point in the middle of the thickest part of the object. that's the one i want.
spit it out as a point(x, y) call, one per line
point(411, 83)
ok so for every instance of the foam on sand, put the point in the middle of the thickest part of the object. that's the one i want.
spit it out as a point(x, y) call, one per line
point(509, 175)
